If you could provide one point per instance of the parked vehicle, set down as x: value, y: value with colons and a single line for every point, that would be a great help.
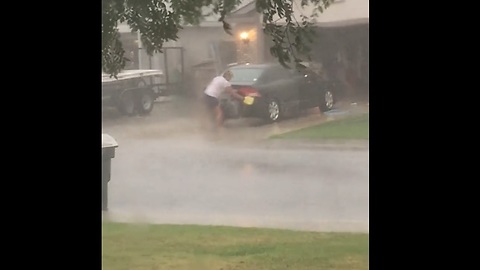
x: 278, y: 91
x: 133, y: 91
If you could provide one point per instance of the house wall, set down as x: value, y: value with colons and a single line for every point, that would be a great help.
x: 344, y: 53
x: 347, y: 11
x: 340, y: 12
x: 341, y: 43
x: 197, y: 42
x: 333, y: 24
x: 247, y: 50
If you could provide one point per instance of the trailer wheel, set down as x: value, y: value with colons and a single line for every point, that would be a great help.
x: 126, y: 103
x: 145, y: 102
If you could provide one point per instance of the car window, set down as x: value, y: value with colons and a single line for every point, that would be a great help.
x: 276, y: 73
x: 246, y: 75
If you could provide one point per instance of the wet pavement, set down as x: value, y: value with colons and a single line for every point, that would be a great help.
x: 167, y: 169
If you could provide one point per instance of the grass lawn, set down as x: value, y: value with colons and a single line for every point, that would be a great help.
x: 175, y: 247
x: 354, y: 127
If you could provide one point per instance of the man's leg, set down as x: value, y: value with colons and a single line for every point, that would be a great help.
x: 209, y: 112
x: 219, y: 116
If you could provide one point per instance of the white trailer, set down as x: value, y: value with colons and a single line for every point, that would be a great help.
x: 133, y: 91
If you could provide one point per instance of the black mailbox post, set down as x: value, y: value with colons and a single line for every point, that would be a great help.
x: 108, y: 152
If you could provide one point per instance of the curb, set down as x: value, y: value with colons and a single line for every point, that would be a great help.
x: 361, y: 145
x: 294, y: 144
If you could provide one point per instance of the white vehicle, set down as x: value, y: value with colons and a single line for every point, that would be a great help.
x: 133, y: 91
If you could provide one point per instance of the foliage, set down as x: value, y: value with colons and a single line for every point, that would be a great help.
x: 159, y: 21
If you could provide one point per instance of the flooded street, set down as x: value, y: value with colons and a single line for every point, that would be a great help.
x: 168, y: 170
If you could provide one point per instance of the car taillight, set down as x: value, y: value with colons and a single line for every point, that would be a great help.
x: 249, y: 91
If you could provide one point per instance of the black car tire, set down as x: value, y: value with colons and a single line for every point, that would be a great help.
x: 274, y: 111
x: 145, y: 101
x: 327, y: 100
x: 126, y: 103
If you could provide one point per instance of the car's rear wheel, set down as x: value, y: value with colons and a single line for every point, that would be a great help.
x: 327, y: 100
x: 126, y: 103
x: 273, y: 110
x: 145, y: 102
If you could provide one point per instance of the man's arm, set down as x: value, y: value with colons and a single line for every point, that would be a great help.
x: 234, y: 93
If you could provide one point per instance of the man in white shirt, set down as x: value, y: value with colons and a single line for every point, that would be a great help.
x: 215, y: 88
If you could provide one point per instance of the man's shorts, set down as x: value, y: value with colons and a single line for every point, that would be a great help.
x: 210, y: 101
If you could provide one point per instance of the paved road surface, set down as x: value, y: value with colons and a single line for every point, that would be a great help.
x: 167, y: 170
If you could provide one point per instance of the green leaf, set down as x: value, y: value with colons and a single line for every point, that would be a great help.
x: 227, y: 28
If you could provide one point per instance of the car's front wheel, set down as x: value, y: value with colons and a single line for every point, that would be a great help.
x: 327, y: 100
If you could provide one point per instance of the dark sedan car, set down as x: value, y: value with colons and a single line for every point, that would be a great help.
x: 278, y: 91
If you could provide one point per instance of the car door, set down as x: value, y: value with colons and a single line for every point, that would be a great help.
x: 279, y: 83
x: 308, y: 85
